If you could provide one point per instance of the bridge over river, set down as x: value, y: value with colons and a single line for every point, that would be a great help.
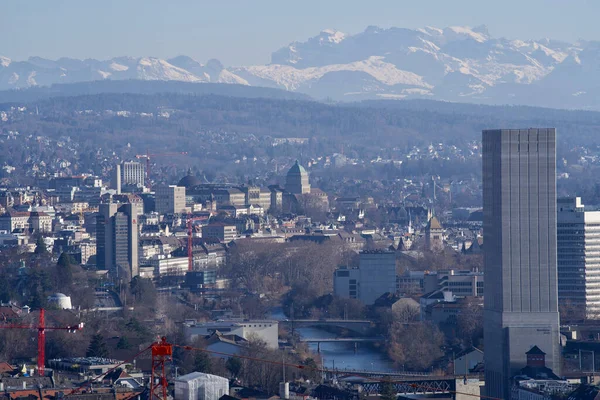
x: 360, y: 327
x: 461, y: 387
x: 353, y: 340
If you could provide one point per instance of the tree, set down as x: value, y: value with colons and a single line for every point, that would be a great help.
x: 64, y: 272
x: 97, y: 347
x: 470, y: 323
x: 387, y: 391
x: 143, y: 291
x: 407, y: 312
x: 38, y: 301
x: 234, y: 366
x: 40, y: 246
x: 123, y: 343
x: 202, y: 363
x: 416, y: 346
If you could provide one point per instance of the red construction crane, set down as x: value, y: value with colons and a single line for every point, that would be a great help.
x: 162, y: 353
x: 190, y: 223
x: 42, y: 328
x: 147, y: 156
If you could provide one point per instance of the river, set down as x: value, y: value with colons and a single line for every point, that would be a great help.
x: 342, y: 355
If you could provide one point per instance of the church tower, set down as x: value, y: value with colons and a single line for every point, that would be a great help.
x: 434, y: 235
x: 296, y: 181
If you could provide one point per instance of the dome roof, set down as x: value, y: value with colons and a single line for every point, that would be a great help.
x: 297, y: 169
x: 58, y: 295
x: 189, y: 181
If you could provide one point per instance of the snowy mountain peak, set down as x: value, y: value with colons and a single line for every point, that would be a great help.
x: 456, y: 63
x: 332, y: 35
x: 465, y: 32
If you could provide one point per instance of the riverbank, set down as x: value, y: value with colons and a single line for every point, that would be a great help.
x: 341, y: 356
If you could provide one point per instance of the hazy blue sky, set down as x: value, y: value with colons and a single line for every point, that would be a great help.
x: 247, y: 31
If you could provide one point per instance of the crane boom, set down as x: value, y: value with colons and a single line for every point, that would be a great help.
x: 41, y: 329
x: 147, y: 156
x: 190, y: 222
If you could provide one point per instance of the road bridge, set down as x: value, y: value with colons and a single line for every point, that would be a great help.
x: 354, y: 340
x: 404, y: 384
x: 361, y: 327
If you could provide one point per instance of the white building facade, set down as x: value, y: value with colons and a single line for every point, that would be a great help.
x: 578, y: 256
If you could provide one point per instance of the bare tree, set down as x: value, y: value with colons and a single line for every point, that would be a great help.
x: 416, y: 346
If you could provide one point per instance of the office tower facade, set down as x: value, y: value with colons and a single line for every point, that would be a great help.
x: 519, y: 225
x: 117, y: 238
x: 133, y: 173
x: 170, y: 199
x: 578, y: 256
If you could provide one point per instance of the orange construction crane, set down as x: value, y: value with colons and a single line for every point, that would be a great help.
x: 147, y: 156
x: 42, y: 328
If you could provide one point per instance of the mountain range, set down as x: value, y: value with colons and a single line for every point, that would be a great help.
x: 458, y: 64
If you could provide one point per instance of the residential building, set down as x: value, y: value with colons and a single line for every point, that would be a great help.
x: 225, y: 346
x: 220, y: 196
x: 171, y: 266
x: 411, y: 282
x: 88, y: 249
x: 117, y: 237
x: 345, y: 282
x: 578, y: 256
x: 256, y: 196
x: 40, y: 222
x: 519, y: 227
x: 276, y: 198
x: 467, y: 360
x: 14, y: 220
x: 196, y: 280
x: 170, y: 199
x: 460, y: 283
x: 266, y: 330
x: 537, y: 382
x: 347, y: 203
x: 209, y: 256
x: 225, y: 233
x: 375, y: 276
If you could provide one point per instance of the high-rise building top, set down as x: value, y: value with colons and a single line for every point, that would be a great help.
x: 297, y: 181
x: 578, y: 256
x: 117, y: 237
x: 519, y: 225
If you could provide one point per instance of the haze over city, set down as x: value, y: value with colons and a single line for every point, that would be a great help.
x: 335, y: 200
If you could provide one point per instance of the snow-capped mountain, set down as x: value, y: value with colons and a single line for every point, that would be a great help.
x: 455, y: 64
x: 39, y: 71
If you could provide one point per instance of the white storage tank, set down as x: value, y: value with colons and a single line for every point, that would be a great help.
x: 200, y: 386
x: 60, y: 301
